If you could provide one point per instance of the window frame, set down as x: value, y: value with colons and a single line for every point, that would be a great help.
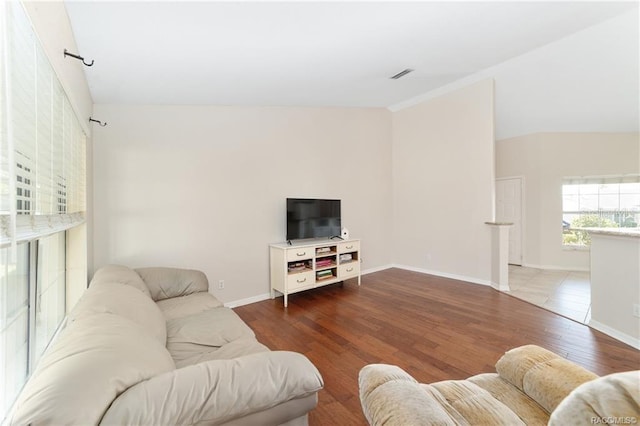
x: 33, y: 306
x: 39, y: 129
x: 607, y: 217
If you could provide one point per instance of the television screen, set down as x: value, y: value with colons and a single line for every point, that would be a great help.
x: 312, y: 218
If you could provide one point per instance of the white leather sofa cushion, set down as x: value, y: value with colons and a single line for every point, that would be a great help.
x: 237, y: 348
x: 94, y: 359
x: 119, y: 274
x: 205, y: 332
x: 126, y: 301
x: 178, y: 307
x: 164, y: 283
x: 216, y: 391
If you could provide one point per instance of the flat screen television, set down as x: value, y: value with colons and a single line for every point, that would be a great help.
x: 312, y: 218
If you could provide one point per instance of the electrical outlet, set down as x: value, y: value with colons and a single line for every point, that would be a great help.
x: 221, y: 285
x: 636, y: 310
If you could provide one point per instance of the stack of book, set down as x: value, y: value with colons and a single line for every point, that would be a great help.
x: 320, y: 263
x: 346, y: 257
x: 297, y: 266
x: 321, y: 250
x: 324, y: 275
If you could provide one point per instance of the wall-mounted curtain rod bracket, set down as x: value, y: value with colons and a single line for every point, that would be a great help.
x: 66, y: 53
x: 98, y: 121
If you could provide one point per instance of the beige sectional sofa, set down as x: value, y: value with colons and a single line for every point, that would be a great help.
x: 152, y: 347
x: 532, y: 386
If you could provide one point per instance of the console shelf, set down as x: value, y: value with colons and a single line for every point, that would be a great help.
x: 306, y: 265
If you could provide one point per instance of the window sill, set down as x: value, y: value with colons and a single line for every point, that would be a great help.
x: 575, y: 248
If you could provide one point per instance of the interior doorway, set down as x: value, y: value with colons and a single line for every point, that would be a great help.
x: 509, y: 209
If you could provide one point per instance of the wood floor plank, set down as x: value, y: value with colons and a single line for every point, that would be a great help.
x: 435, y: 328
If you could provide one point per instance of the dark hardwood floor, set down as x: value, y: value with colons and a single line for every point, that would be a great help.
x: 434, y: 328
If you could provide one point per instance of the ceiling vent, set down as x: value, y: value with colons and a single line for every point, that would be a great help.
x: 401, y: 74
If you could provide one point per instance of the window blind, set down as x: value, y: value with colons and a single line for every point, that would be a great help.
x: 4, y: 140
x: 41, y: 140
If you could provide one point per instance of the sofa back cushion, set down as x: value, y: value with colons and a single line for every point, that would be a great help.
x: 119, y: 274
x: 164, y: 283
x: 93, y: 360
x: 544, y: 376
x: 192, y: 304
x: 126, y: 301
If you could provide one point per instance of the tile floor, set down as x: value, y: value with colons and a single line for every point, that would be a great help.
x: 563, y: 292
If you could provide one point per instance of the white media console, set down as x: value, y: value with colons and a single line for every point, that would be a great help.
x: 305, y: 265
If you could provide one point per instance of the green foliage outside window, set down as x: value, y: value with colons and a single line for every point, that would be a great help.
x: 582, y: 238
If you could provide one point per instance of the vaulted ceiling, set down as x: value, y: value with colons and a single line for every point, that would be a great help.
x: 308, y: 53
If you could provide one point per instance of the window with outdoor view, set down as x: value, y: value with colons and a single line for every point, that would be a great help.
x: 611, y: 202
x: 42, y: 201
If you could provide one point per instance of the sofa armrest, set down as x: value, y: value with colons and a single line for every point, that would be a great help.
x: 217, y: 391
x: 390, y: 396
x: 164, y: 283
x: 544, y: 376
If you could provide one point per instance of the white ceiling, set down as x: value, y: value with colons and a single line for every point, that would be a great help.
x: 307, y: 53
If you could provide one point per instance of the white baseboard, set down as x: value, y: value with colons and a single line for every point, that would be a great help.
x: 618, y: 335
x: 555, y: 268
x: 445, y: 275
x: 248, y: 300
x: 377, y: 269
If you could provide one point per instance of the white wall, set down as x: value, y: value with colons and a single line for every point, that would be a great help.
x: 204, y: 187
x: 615, y: 289
x: 543, y: 159
x: 443, y: 180
x: 587, y: 82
